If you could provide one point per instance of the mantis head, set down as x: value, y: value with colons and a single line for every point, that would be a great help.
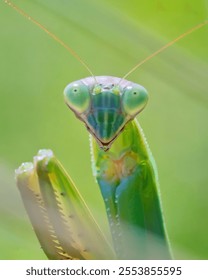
x: 105, y: 104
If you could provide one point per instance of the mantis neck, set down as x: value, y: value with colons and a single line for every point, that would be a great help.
x: 128, y: 182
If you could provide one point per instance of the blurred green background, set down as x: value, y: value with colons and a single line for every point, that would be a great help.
x: 111, y: 36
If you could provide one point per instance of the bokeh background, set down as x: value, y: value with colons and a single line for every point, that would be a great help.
x: 111, y: 36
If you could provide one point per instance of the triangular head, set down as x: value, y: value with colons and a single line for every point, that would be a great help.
x: 105, y: 104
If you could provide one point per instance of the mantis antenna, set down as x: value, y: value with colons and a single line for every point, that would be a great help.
x: 196, y: 27
x: 52, y: 35
x: 70, y: 50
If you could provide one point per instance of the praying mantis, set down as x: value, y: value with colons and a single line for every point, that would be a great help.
x: 124, y: 169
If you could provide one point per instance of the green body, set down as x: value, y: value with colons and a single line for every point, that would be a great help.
x: 125, y: 172
x: 122, y: 163
x: 128, y: 181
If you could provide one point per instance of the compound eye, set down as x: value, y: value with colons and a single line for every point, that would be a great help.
x: 134, y: 99
x: 77, y: 97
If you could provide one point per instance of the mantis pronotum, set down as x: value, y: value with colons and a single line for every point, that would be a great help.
x: 125, y: 172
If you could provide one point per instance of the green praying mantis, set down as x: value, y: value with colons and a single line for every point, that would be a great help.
x: 122, y: 164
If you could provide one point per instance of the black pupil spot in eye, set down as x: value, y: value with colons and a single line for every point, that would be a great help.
x: 75, y: 90
x: 134, y: 92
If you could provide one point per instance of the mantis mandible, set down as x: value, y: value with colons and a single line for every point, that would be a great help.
x: 122, y: 164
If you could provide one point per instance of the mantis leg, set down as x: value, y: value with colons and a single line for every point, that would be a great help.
x: 60, y: 218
